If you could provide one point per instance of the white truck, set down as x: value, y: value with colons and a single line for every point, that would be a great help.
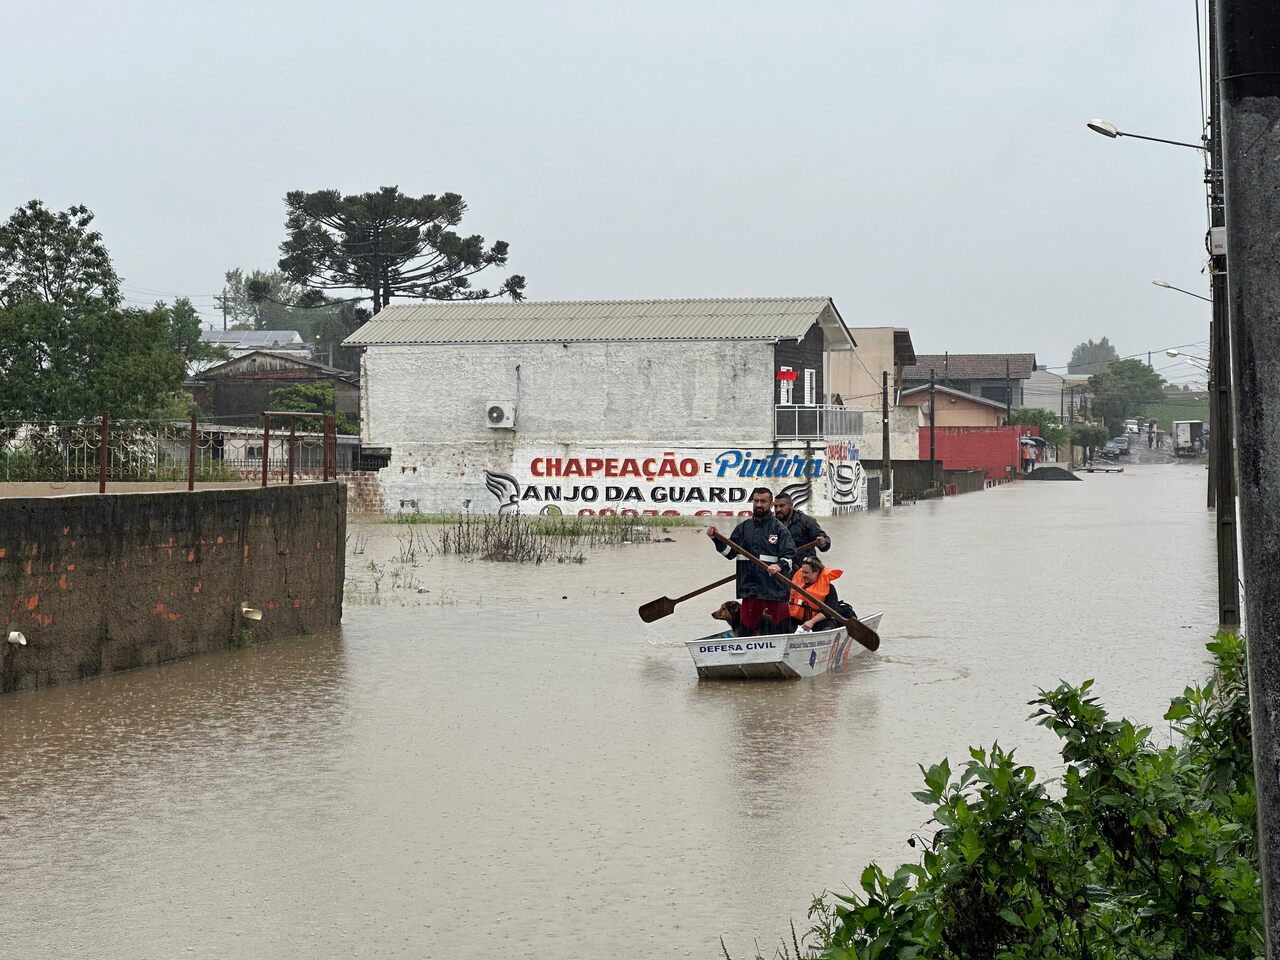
x: 1188, y: 438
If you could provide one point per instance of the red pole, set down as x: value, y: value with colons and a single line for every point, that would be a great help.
x: 104, y: 438
x: 292, y: 438
x: 266, y: 444
x: 330, y: 449
x: 191, y: 456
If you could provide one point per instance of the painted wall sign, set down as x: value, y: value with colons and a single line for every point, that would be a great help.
x: 667, y: 483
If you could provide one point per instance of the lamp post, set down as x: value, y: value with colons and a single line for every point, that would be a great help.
x: 1191, y: 358
x: 1221, y: 487
x: 1169, y: 286
x: 1108, y: 129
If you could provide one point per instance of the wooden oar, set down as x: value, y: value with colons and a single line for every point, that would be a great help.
x: 665, y: 606
x: 857, y: 629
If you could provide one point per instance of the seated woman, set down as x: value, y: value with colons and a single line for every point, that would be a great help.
x: 816, y: 580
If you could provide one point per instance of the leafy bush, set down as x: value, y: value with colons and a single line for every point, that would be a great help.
x: 1142, y: 851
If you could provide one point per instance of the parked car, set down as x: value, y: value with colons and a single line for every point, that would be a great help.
x: 1112, y: 450
x: 1122, y: 443
x: 1131, y: 426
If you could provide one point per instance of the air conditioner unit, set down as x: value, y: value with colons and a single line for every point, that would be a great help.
x: 501, y: 414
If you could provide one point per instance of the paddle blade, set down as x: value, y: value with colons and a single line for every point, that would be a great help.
x: 863, y: 634
x: 657, y: 609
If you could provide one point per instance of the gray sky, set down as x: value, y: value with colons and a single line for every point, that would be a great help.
x: 924, y: 163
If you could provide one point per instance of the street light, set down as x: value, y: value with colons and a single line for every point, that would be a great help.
x: 1169, y: 286
x: 1108, y: 129
x: 1189, y: 357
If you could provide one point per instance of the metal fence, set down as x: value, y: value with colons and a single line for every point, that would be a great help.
x: 813, y: 422
x: 286, y: 448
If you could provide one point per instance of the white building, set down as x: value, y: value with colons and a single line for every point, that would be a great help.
x: 1045, y: 390
x: 644, y: 406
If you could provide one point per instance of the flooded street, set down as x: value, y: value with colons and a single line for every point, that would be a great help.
x: 511, y: 764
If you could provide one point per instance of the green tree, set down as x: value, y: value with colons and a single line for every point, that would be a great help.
x: 70, y: 361
x: 390, y: 245
x: 1090, y: 436
x: 184, y: 333
x: 268, y: 300
x: 314, y: 397
x: 54, y: 258
x: 1090, y: 357
x: 258, y: 300
x: 1121, y: 391
x: 1051, y: 430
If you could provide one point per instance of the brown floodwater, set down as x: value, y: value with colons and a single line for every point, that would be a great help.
x: 512, y: 765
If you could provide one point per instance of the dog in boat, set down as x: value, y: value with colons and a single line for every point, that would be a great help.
x: 731, y: 613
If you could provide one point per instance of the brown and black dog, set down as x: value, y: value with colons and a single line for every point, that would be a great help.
x: 731, y: 613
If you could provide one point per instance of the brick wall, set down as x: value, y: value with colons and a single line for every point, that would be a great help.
x: 992, y: 449
x: 105, y: 583
x: 364, y: 493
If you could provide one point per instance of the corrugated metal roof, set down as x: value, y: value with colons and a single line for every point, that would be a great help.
x: 569, y: 321
x: 252, y: 339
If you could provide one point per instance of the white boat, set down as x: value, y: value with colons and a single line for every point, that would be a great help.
x: 722, y: 656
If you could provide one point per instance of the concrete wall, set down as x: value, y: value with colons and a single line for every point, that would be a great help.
x: 687, y: 392
x: 855, y: 374
x: 105, y: 583
x: 904, y: 428
x: 911, y: 478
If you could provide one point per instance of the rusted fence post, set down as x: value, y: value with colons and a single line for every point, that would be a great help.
x: 293, y: 435
x: 266, y: 445
x: 191, y: 456
x: 104, y: 439
x: 330, y: 448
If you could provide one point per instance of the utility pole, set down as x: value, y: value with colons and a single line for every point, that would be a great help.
x: 1248, y: 37
x: 1008, y: 394
x: 1222, y: 492
x: 224, y: 309
x: 886, y: 460
x: 933, y: 416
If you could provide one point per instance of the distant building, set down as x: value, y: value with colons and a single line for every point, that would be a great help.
x: 240, y: 342
x: 955, y: 408
x: 1045, y: 390
x: 240, y: 389
x: 613, y: 407
x: 856, y: 376
x: 978, y: 374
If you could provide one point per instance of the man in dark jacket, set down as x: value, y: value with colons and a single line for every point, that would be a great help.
x: 802, y: 527
x: 765, y: 606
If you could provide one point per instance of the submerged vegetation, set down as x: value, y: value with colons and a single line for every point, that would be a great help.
x: 1140, y: 852
x: 523, y: 539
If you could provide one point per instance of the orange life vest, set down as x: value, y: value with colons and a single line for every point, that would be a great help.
x: 803, y: 608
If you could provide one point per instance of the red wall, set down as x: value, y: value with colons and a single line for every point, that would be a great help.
x: 992, y: 449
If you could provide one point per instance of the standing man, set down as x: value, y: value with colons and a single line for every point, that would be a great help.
x: 802, y: 527
x: 764, y: 600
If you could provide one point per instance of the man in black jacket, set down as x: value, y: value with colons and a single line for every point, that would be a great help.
x: 764, y: 600
x: 803, y: 528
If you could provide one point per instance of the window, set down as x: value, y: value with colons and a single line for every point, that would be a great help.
x: 786, y: 388
x: 809, y: 383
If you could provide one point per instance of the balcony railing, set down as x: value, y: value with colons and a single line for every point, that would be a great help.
x: 797, y: 422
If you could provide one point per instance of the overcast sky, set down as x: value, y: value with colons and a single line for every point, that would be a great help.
x: 924, y: 163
